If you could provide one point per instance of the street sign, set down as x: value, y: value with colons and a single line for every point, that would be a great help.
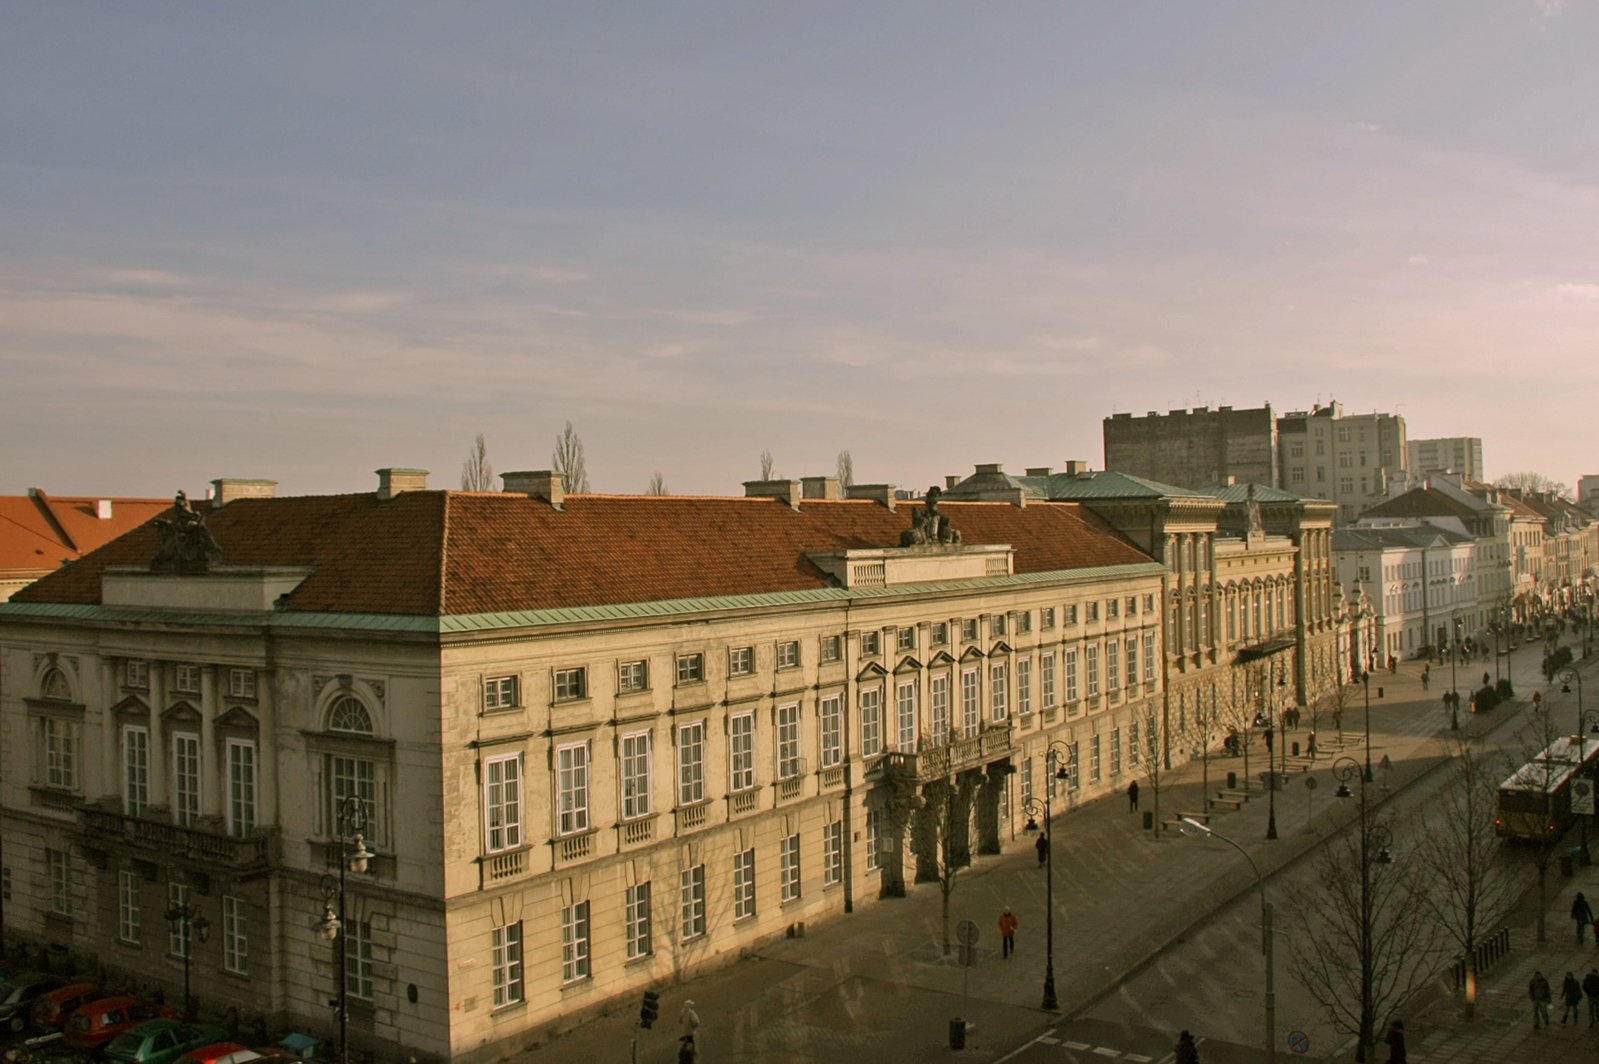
x: 1582, y: 796
x: 966, y: 932
x: 1299, y: 1041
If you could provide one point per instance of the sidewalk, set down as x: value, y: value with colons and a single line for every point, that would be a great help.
x: 875, y: 986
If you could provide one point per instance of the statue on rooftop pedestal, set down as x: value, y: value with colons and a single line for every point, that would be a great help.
x: 187, y: 546
x: 930, y: 528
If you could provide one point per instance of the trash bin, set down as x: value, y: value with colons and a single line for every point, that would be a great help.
x: 1232, y: 781
x: 1296, y: 748
x: 957, y: 1033
x: 1149, y: 821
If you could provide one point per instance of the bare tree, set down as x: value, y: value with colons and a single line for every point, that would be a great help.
x: 567, y: 460
x: 846, y: 469
x: 1150, y: 741
x: 476, y: 473
x: 766, y: 465
x: 1534, y: 482
x: 1358, y: 948
x: 657, y: 484
x: 1469, y: 885
x: 942, y: 838
x: 1541, y: 776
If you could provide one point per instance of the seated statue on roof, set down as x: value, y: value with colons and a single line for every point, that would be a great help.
x: 929, y: 527
x: 187, y: 546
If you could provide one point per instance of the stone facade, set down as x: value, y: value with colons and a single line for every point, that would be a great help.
x: 1195, y: 448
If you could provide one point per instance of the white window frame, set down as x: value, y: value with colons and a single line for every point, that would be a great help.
x: 571, y: 684
x: 1046, y: 678
x: 744, y: 884
x: 788, y: 741
x: 500, y: 692
x: 129, y: 913
x: 355, y: 777
x: 358, y: 981
x: 905, y: 639
x: 59, y: 864
x: 874, y: 837
x: 741, y: 751
x: 179, y: 938
x: 572, y: 768
x: 788, y: 654
x: 576, y: 962
x: 1069, y: 657
x: 135, y: 769
x: 830, y: 713
x: 1133, y: 752
x: 241, y: 683
x: 871, y: 644
x: 999, y: 690
x: 905, y: 716
x: 971, y: 702
x: 502, y: 802
x: 871, y: 712
x: 633, y: 676
x: 1046, y: 618
x: 691, y: 763
x: 243, y: 786
x: 938, y: 698
x: 60, y: 753
x: 1024, y: 687
x: 1132, y: 661
x: 741, y: 661
x: 1115, y: 752
x: 1091, y: 670
x: 185, y: 678
x: 690, y: 669
x: 505, y: 959
x: 235, y: 936
x: 691, y: 895
x: 639, y: 931
x: 637, y: 749
x: 832, y: 648
x: 1149, y: 656
x: 1093, y: 758
x: 832, y: 853
x: 186, y: 777
x: 1113, y: 666
x: 788, y: 867
x: 136, y: 674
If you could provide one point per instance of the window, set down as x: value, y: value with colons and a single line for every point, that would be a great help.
x: 635, y: 775
x: 505, y: 944
x: 1046, y: 618
x: 1027, y: 781
x: 135, y: 769
x: 788, y: 741
x: 1113, y: 666
x: 939, y: 696
x: 571, y: 684
x: 640, y: 938
x: 871, y: 644
x: 575, y: 942
x: 499, y: 692
x: 633, y: 676
x: 874, y: 839
x: 1132, y: 605
x: 871, y: 721
x: 186, y: 679
x: 788, y: 655
x: 941, y: 634
x: 1093, y: 610
x: 349, y: 714
x: 1092, y: 669
x: 1024, y: 623
x: 59, y: 863
x: 1112, y: 609
x: 1093, y: 758
x: 692, y: 890
x: 905, y: 716
x: 907, y: 639
x: 1046, y: 679
x: 178, y: 931
x: 357, y: 935
x: 572, y: 788
x: 241, y: 787
x: 833, y: 853
x: 1115, y: 751
x: 741, y: 661
x: 502, y: 801
x: 1132, y: 744
x: 185, y: 778
x: 832, y: 648
x: 691, y: 763
x: 1071, y: 614
x: 60, y: 753
x: 1071, y: 675
x: 690, y: 668
x: 351, y: 777
x: 997, y: 624
x: 999, y: 690
x: 1074, y: 777
x: 1132, y: 661
x: 1024, y: 686
x: 744, y: 884
x: 788, y: 867
x: 971, y: 705
x: 128, y: 913
x: 241, y: 683
x: 969, y: 631
x: 235, y: 946
x: 1149, y: 604
x: 136, y: 674
x: 831, y: 713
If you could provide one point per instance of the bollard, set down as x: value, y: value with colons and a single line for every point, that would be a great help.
x: 957, y: 1033
x: 1149, y: 821
x: 1296, y: 748
x: 1232, y: 781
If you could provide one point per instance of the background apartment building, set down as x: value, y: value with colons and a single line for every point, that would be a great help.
x: 1461, y: 455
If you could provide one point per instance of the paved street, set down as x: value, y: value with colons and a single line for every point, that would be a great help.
x: 876, y: 985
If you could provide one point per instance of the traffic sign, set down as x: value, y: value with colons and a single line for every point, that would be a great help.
x: 1299, y: 1041
x: 1582, y: 796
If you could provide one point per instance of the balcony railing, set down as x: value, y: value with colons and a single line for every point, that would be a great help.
x: 252, y: 852
x: 958, y: 755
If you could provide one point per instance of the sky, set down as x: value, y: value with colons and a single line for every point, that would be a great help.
x: 302, y: 241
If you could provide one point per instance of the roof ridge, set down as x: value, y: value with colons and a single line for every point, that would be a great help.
x: 42, y: 501
x: 444, y: 551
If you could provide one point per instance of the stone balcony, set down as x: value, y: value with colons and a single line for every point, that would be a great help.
x: 947, y: 759
x: 101, y: 827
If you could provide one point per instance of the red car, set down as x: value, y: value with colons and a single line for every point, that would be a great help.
x: 50, y: 1012
x: 96, y: 1023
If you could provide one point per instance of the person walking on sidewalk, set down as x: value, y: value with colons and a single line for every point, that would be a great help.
x: 1007, y: 932
x: 1571, y: 999
x: 1396, y: 1042
x: 1187, y: 1052
x: 1590, y: 986
x: 1538, y: 991
x: 1581, y: 912
x: 1042, y: 846
x: 1132, y: 797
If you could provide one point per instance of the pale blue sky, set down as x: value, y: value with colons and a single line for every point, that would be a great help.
x: 302, y: 241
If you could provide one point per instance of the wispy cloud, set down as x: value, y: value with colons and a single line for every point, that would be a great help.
x: 1579, y: 291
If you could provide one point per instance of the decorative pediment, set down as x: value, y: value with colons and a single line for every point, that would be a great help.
x: 132, y: 706
x: 872, y: 671
x: 908, y: 664
x: 941, y: 658
x: 181, y: 713
x: 1000, y: 647
x: 972, y: 654
x: 238, y: 719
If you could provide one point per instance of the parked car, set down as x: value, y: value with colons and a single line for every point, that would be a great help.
x: 161, y: 1041
x: 18, y: 995
x: 96, y: 1023
x: 221, y: 1053
x: 50, y: 1012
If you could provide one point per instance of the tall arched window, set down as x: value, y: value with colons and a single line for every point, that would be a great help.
x: 348, y: 714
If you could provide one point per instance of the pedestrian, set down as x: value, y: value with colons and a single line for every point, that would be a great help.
x: 1570, y: 999
x: 1590, y: 986
x: 1396, y: 1042
x: 1007, y: 932
x: 1311, y: 745
x: 1393, y: 663
x: 690, y: 1021
x: 1426, y: 682
x: 1581, y: 912
x: 1042, y: 846
x: 1485, y: 679
x: 1132, y: 797
x: 1538, y: 991
x: 1187, y: 1052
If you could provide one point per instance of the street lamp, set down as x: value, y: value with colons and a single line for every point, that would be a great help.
x: 1372, y: 838
x: 1031, y: 806
x: 1271, y: 767
x: 188, y: 921
x: 350, y: 817
x: 1454, y: 656
x: 1567, y: 677
x: 1365, y: 680
x: 1194, y: 829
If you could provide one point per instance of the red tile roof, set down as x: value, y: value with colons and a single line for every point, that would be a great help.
x: 433, y: 553
x: 38, y: 531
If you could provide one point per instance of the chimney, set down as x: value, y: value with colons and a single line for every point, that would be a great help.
x: 881, y: 493
x: 392, y: 482
x: 102, y: 509
x: 1075, y: 466
x: 787, y: 490
x: 988, y: 467
x: 226, y: 489
x: 539, y: 484
x: 950, y: 480
x: 821, y: 488
x: 1040, y: 471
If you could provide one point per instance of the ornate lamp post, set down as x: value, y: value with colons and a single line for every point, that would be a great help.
x: 188, y: 921
x: 1053, y: 771
x: 1365, y: 680
x: 1374, y: 842
x: 1194, y: 829
x: 1584, y: 721
x: 1454, y: 656
x: 1271, y: 766
x: 351, y: 821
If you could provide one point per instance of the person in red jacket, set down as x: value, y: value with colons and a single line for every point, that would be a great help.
x: 1007, y: 932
